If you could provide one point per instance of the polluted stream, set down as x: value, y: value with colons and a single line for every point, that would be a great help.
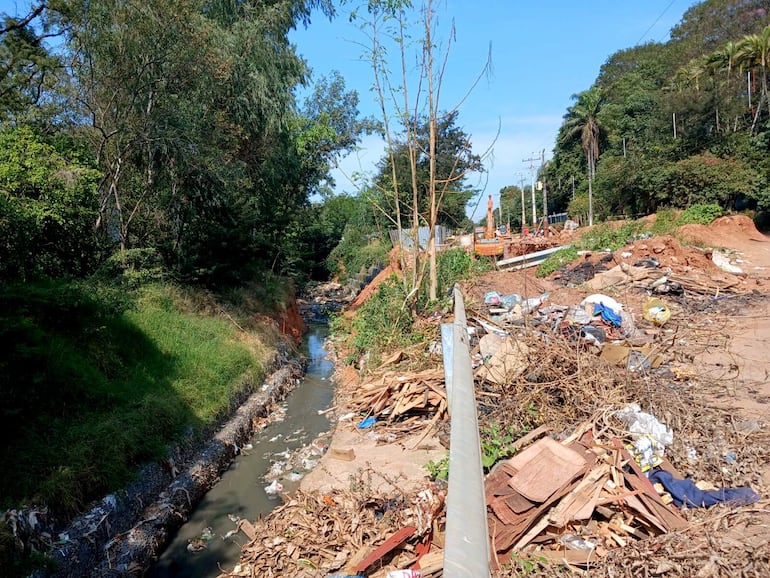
x: 275, y: 458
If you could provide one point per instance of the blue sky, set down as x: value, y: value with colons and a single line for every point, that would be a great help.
x: 542, y: 53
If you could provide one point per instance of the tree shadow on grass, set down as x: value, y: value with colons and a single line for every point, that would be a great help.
x: 87, y: 396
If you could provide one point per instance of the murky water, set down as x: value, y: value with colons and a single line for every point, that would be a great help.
x: 283, y: 447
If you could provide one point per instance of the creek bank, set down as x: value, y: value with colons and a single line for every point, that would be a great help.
x: 126, y: 530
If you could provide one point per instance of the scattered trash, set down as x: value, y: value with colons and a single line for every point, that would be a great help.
x: 686, y: 493
x: 649, y: 262
x: 575, y: 542
x: 641, y: 424
x: 550, y: 486
x: 657, y: 312
x: 201, y: 542
x: 509, y: 361
x: 367, y: 422
x: 723, y: 262
x: 594, y: 334
x: 274, y: 488
x: 605, y: 301
x: 346, y: 455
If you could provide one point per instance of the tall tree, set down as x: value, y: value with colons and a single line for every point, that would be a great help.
x: 454, y: 161
x: 754, y: 53
x: 414, y: 110
x: 582, y: 120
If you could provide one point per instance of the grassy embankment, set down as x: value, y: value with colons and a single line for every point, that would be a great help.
x: 97, y: 380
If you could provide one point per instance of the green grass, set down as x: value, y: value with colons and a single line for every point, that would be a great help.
x: 97, y: 381
x: 556, y: 260
x: 607, y: 236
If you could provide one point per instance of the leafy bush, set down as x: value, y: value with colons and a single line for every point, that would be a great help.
x: 665, y: 222
x: 607, y: 236
x: 701, y: 214
x: 557, y: 260
x: 355, y: 253
x: 438, y: 470
x: 497, y: 443
x: 133, y: 268
x: 452, y: 266
x: 48, y: 206
x: 383, y: 321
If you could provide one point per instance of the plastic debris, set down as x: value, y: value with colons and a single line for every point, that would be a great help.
x: 367, y: 422
x: 605, y: 300
x: 573, y: 542
x: 723, y: 262
x: 274, y: 488
x: 657, y: 312
x: 686, y: 493
x: 642, y: 424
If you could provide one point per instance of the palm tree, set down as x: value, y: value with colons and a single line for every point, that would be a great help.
x: 582, y: 119
x: 754, y: 52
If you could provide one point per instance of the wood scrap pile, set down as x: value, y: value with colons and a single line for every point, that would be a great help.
x: 393, y: 394
x: 346, y: 532
x: 572, y: 502
x: 657, y: 280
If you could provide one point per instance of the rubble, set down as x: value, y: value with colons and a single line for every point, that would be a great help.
x: 572, y: 493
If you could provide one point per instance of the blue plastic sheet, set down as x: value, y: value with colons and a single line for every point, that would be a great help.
x: 685, y: 492
x: 607, y: 314
x: 367, y: 423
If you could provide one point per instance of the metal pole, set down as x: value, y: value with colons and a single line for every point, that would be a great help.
x: 466, y: 545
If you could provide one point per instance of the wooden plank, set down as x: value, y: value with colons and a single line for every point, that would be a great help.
x: 518, y: 503
x: 391, y: 543
x: 542, y: 508
x: 644, y: 513
x: 504, y: 513
x: 650, y: 498
x: 571, y: 557
x: 582, y: 498
x: 496, y: 481
x: 550, y: 466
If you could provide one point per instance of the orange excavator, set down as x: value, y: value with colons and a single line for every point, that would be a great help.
x: 488, y: 240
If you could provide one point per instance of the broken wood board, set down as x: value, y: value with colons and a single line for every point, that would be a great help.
x: 543, y: 468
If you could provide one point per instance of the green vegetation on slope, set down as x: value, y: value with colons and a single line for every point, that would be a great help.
x: 97, y: 381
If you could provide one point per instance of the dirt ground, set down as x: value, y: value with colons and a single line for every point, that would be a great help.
x: 716, y: 342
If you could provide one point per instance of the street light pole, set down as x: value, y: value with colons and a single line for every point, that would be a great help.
x: 531, y: 160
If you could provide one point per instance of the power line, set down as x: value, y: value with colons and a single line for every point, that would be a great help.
x: 656, y: 21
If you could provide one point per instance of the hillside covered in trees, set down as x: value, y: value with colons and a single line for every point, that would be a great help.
x: 667, y: 125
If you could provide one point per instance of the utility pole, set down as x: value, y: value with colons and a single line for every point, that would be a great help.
x: 531, y: 160
x: 545, y: 194
x: 523, y: 211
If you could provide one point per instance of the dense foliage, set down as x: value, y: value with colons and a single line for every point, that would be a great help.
x: 673, y: 124
x: 171, y: 125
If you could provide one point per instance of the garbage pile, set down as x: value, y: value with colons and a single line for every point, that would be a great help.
x: 398, y: 401
x: 660, y: 265
x: 603, y: 491
x: 574, y: 500
x: 347, y: 533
